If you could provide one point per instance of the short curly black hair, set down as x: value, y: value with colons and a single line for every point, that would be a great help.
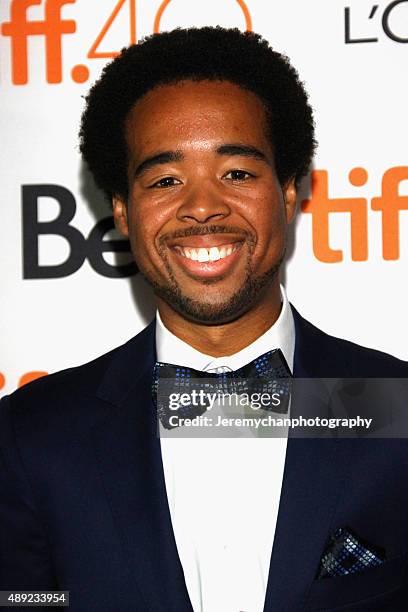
x: 209, y: 53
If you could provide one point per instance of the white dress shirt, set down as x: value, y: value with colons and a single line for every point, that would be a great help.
x: 224, y: 493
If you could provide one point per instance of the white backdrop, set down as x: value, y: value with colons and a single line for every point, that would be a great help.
x: 352, y: 57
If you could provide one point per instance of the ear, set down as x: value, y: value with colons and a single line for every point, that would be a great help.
x: 290, y: 194
x: 120, y: 215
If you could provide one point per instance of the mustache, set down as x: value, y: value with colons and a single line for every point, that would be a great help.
x: 203, y: 230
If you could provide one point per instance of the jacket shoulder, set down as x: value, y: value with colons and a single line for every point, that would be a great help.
x: 76, y: 390
x: 340, y: 357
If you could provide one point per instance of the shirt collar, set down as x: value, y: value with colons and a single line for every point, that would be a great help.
x: 170, y: 349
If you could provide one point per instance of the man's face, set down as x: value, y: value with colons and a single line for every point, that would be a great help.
x: 206, y: 215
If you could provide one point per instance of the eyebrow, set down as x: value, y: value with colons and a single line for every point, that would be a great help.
x: 155, y: 160
x: 242, y: 150
x: 166, y: 157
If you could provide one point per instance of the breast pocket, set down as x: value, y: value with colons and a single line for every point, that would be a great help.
x: 340, y: 591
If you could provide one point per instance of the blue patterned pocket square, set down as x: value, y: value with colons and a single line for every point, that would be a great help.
x: 347, y: 554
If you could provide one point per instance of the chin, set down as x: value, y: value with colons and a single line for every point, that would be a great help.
x: 209, y: 313
x: 217, y: 313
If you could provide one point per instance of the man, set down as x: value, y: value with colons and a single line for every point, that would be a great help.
x: 200, y: 138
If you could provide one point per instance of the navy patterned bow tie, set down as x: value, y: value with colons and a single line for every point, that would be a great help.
x: 268, y: 374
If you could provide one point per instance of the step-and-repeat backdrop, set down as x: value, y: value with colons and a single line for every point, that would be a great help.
x: 69, y: 291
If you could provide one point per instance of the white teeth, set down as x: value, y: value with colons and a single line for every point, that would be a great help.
x: 205, y: 255
x: 214, y: 253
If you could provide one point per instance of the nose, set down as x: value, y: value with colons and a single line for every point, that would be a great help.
x: 202, y: 205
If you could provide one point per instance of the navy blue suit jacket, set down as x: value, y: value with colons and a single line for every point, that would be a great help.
x: 83, y: 504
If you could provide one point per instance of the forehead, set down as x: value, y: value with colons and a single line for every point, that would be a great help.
x: 191, y: 111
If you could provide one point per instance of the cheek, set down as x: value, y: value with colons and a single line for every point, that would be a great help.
x: 144, y: 227
x: 268, y: 219
x: 139, y: 232
x: 149, y: 215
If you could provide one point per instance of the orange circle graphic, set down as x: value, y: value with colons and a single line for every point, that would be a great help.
x: 358, y: 176
x: 30, y: 376
x: 165, y: 3
x: 80, y: 73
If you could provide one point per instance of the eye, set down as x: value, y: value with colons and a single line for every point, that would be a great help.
x: 167, y: 181
x: 238, y: 175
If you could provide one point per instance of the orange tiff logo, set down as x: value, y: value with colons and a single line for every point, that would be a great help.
x: 52, y: 27
x: 389, y: 204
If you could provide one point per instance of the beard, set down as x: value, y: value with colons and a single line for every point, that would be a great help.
x: 208, y: 313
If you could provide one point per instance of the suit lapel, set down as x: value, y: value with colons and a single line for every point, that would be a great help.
x: 312, y: 483
x: 128, y: 451
x: 311, y: 487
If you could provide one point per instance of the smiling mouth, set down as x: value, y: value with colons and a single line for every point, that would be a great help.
x: 206, y: 255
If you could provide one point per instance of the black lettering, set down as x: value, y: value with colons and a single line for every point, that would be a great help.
x: 32, y: 228
x: 386, y: 24
x: 96, y: 246
x: 347, y: 29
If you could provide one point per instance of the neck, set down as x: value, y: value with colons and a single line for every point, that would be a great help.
x: 227, y: 338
